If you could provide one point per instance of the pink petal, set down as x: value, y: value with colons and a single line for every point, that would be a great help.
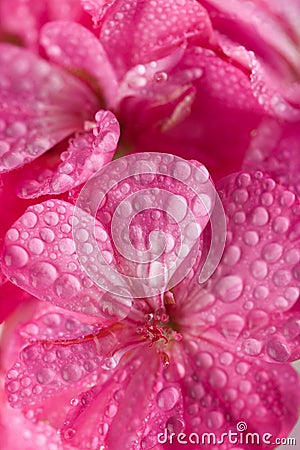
x: 31, y: 435
x: 64, y: 354
x: 257, y: 279
x: 136, y: 37
x: 74, y: 47
x: 32, y: 15
x: 189, y: 103
x: 10, y: 298
x: 41, y: 105
x: 153, y: 209
x: 275, y: 149
x: 86, y: 154
x: 43, y: 261
x: 270, y: 29
x: 114, y: 412
x: 221, y: 389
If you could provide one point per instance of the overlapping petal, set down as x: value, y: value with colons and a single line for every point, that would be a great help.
x: 276, y: 149
x: 87, y: 153
x: 40, y: 106
x: 135, y: 31
x: 221, y: 389
x: 257, y: 279
x: 75, y: 48
x: 43, y: 261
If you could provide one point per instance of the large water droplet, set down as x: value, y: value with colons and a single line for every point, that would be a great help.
x: 229, y: 288
x: 42, y: 275
x: 71, y: 373
x: 45, y: 375
x: 217, y: 378
x: 167, y: 398
x: 16, y: 256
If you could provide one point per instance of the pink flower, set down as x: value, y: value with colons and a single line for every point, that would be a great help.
x: 183, y: 88
x: 187, y: 357
x: 240, y: 65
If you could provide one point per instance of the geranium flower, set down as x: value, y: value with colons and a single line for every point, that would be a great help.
x: 183, y: 87
x: 249, y: 58
x: 196, y: 358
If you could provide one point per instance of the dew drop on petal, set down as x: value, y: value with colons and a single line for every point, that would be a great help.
x: 67, y: 286
x: 260, y: 216
x: 47, y: 235
x: 29, y: 219
x: 229, y: 288
x: 278, y: 350
x: 167, y: 398
x: 36, y: 246
x: 272, y: 252
x: 217, y: 378
x: 42, y: 274
x: 252, y: 347
x: 45, y: 375
x: 16, y: 256
x: 71, y: 373
x: 214, y: 420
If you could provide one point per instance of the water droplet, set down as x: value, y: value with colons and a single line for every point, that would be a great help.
x: 29, y: 220
x: 197, y: 391
x: 252, y: 347
x: 232, y: 255
x: 272, y: 252
x: 278, y: 350
x: 36, y: 246
x: 229, y: 288
x: 74, y: 402
x: 13, y: 234
x: 52, y: 320
x: 67, y: 246
x: 259, y: 269
x: 67, y: 286
x: 251, y: 238
x: 214, y: 420
x: 175, y: 425
x: 47, y: 235
x: 231, y: 326
x: 217, y: 378
x: 111, y: 410
x: 280, y: 224
x: 69, y: 434
x: 16, y: 256
x: 182, y: 170
x: 282, y: 277
x: 51, y: 218
x: 13, y: 386
x: 226, y: 358
x: 45, y: 375
x: 242, y: 368
x: 204, y: 360
x: 240, y: 196
x: 261, y: 292
x: 71, y: 373
x: 167, y: 398
x: 287, y: 199
x: 42, y: 275
x: 267, y: 199
x: 260, y: 216
x: 160, y: 76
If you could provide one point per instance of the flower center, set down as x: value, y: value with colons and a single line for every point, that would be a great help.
x: 160, y: 330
